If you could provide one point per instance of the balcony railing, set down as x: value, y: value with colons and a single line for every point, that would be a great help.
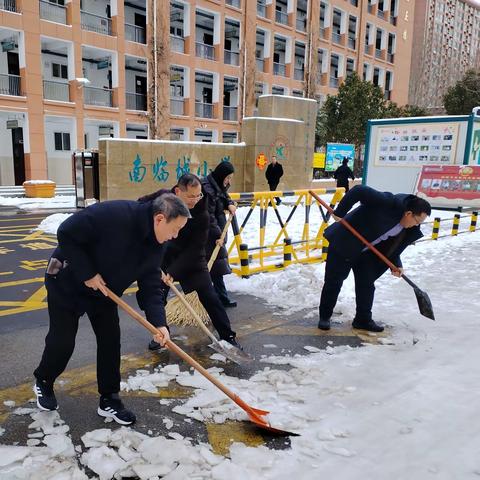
x: 8, y: 5
x: 177, y: 106
x: 101, y: 97
x: 378, y: 53
x: 334, y: 82
x: 261, y: 9
x: 298, y: 73
x: 301, y: 24
x: 53, y: 12
x: 323, y: 33
x: 205, y: 51
x: 232, y: 58
x: 281, y: 17
x: 387, y: 95
x: 233, y: 3
x: 279, y: 69
x: 136, y: 101
x: 380, y: 14
x: 177, y: 44
x: 393, y: 20
x: 351, y: 43
x: 10, y: 85
x: 59, y: 91
x: 134, y: 33
x: 367, y: 49
x: 390, y: 57
x: 203, y: 110
x: 230, y: 113
x: 260, y: 64
x: 96, y: 23
x: 336, y: 38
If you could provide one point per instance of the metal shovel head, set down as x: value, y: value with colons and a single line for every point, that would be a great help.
x: 232, y: 353
x: 424, y: 303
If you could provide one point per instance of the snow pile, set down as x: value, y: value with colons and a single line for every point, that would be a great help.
x: 60, y: 201
x: 51, y: 223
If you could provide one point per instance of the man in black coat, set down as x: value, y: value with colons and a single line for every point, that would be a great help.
x: 112, y: 243
x: 273, y: 174
x: 342, y: 174
x: 186, y: 259
x: 391, y: 223
x: 215, y: 187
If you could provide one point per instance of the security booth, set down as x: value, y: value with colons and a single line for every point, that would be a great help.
x: 87, y: 183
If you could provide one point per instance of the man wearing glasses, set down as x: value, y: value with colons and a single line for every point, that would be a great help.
x: 391, y: 223
x: 185, y: 257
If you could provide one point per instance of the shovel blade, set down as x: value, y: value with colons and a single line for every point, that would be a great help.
x: 424, y: 303
x: 233, y: 353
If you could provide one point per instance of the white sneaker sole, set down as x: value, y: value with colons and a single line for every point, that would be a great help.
x: 38, y: 403
x: 104, y: 413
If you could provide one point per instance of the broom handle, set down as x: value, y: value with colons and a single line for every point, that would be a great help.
x: 192, y: 311
x: 222, y: 238
x: 175, y: 348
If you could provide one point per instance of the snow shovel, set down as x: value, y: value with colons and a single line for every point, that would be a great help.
x: 223, y: 347
x: 423, y: 300
x: 254, y: 414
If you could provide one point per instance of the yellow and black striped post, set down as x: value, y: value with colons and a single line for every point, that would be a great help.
x: 324, y: 249
x: 244, y: 265
x: 456, y: 223
x: 473, y: 222
x: 436, y: 228
x: 287, y: 251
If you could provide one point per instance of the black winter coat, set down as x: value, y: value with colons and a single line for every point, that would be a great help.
x: 218, y: 201
x: 274, y: 173
x: 115, y: 239
x: 377, y: 214
x: 342, y: 174
x: 185, y: 256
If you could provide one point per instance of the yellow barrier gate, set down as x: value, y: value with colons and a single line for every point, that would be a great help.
x: 282, y: 249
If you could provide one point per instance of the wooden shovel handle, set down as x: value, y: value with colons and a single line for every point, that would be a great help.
x: 175, y: 348
x: 222, y: 238
x: 357, y: 234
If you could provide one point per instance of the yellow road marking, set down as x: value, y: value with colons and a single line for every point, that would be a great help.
x: 221, y: 436
x: 21, y: 282
x: 35, y: 302
x: 80, y: 381
x: 6, y: 273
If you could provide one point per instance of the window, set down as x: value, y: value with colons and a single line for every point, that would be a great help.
x: 278, y: 90
x: 229, y: 137
x: 62, y: 141
x: 59, y: 70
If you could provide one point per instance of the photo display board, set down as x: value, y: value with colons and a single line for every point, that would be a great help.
x: 416, y: 145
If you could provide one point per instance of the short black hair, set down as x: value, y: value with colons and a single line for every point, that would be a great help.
x: 188, y: 180
x: 170, y: 206
x: 417, y: 205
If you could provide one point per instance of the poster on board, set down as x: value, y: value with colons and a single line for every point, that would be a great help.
x: 335, y: 153
x: 455, y: 185
x: 416, y: 144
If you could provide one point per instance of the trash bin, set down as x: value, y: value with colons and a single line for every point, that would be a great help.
x: 87, y: 185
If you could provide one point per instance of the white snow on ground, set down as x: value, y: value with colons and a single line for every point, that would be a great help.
x: 60, y: 201
x: 51, y: 223
x: 404, y: 409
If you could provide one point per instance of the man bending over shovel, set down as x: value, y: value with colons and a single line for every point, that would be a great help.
x: 390, y: 223
x: 111, y: 243
x: 186, y: 261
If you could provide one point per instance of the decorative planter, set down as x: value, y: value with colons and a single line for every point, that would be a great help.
x: 39, y: 188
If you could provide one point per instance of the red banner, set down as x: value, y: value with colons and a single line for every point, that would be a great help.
x: 456, y: 184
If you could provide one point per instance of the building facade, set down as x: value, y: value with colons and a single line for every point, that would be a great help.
x: 74, y: 72
x: 446, y: 44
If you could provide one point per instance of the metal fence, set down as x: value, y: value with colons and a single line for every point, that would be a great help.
x: 59, y: 91
x: 53, y: 12
x: 96, y: 23
x: 134, y: 33
x: 101, y: 97
x: 10, y: 85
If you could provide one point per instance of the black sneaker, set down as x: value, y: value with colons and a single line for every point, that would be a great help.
x: 324, y: 324
x: 112, y: 407
x: 153, y: 346
x: 369, y: 325
x: 229, y: 304
x: 45, y: 395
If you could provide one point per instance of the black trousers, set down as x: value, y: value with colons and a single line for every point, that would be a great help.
x: 366, y: 269
x: 220, y: 289
x: 211, y: 302
x: 273, y: 187
x: 60, y: 342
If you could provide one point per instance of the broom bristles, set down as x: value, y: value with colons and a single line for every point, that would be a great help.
x: 178, y: 314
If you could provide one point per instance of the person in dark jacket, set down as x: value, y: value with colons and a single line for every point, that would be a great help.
x: 273, y: 174
x: 185, y: 258
x: 342, y: 174
x: 113, y: 243
x: 391, y: 223
x: 215, y: 187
